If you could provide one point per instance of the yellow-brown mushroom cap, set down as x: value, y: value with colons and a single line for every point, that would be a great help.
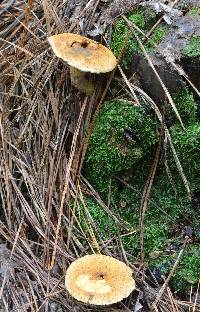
x: 83, y: 53
x: 99, y: 280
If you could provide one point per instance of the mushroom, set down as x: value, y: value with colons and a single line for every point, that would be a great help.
x: 84, y: 56
x: 99, y: 280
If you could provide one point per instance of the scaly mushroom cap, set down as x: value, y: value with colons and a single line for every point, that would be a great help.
x: 98, y: 279
x: 83, y: 53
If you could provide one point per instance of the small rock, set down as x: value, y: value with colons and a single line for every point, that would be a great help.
x: 168, y: 51
x: 148, y: 79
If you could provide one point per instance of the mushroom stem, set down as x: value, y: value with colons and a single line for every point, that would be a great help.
x: 82, y: 80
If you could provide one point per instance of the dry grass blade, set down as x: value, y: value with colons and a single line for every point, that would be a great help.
x: 67, y: 179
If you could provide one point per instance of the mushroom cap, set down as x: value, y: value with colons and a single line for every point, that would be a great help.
x: 83, y: 53
x: 98, y: 279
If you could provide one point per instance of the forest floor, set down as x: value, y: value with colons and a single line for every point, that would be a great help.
x: 115, y: 173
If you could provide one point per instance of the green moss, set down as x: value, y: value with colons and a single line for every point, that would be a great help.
x: 192, y: 49
x: 187, y: 144
x: 155, y: 39
x: 103, y: 224
x: 137, y: 17
x: 186, y: 106
x: 165, y: 220
x: 111, y: 153
x: 188, y: 272
x: 194, y: 11
x: 155, y: 237
x: 121, y: 30
x: 122, y: 135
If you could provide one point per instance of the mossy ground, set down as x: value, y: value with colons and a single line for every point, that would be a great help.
x: 120, y: 142
x: 194, y: 11
x: 169, y: 211
x: 122, y: 33
x: 192, y: 49
x: 170, y: 214
x: 186, y: 106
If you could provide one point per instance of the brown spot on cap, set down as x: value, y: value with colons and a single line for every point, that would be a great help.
x: 83, y: 53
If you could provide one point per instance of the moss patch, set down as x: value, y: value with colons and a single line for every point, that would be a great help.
x: 156, y: 37
x: 188, y: 272
x: 100, y: 219
x: 121, y: 30
x: 187, y: 144
x: 186, y: 106
x: 123, y: 134
x: 194, y: 11
x: 123, y: 145
x: 169, y: 213
x: 192, y: 49
x: 165, y: 222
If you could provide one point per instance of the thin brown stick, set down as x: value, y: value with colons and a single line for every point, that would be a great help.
x: 67, y: 178
x: 145, y: 197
